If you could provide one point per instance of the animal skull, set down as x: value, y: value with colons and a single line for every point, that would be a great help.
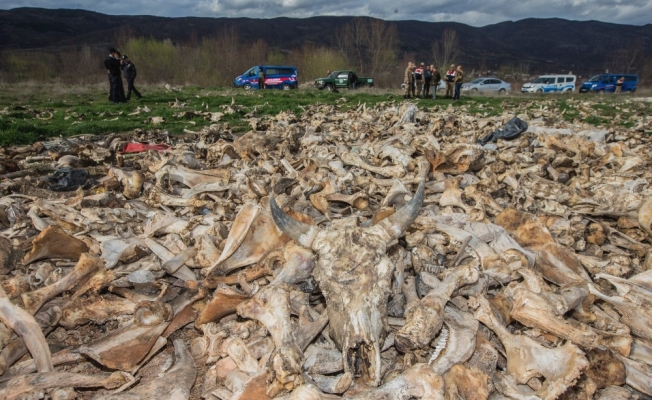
x: 355, y: 274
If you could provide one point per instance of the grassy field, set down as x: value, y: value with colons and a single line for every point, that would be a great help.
x: 30, y: 113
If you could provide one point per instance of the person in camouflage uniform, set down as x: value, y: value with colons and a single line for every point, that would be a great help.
x: 408, y: 91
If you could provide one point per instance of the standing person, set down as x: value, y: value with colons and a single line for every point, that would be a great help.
x: 619, y: 84
x: 436, y: 79
x: 129, y: 70
x: 112, y: 65
x: 261, y: 77
x: 450, y: 84
x: 459, y: 79
x: 409, y: 81
x: 418, y: 79
x: 353, y: 80
x: 427, y: 81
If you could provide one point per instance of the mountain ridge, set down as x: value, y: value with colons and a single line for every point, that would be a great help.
x: 552, y: 43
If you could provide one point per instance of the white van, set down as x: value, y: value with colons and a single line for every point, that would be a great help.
x: 550, y: 83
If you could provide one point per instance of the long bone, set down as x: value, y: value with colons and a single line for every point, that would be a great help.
x: 83, y: 269
x: 48, y: 380
x: 47, y: 319
x: 425, y: 319
x: 352, y: 261
x: 394, y: 171
x: 26, y: 327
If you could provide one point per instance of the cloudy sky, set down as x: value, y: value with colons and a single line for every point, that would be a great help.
x: 472, y: 12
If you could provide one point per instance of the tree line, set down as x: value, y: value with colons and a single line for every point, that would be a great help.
x: 369, y: 46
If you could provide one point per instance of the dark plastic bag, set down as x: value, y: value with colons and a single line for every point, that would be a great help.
x: 512, y: 129
x: 67, y: 179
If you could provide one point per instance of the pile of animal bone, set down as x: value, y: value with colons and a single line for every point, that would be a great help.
x: 359, y: 253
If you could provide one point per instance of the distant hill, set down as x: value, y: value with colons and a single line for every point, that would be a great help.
x: 546, y: 44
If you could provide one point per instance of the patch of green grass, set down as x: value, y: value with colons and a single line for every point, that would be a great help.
x: 33, y: 113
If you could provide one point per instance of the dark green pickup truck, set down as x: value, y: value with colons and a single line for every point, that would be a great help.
x: 340, y: 79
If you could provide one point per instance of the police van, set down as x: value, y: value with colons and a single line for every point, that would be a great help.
x: 551, y: 84
x: 607, y: 83
x: 276, y: 77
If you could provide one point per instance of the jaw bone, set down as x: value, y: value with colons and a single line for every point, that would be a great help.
x: 175, y: 384
x: 355, y: 274
x: 124, y: 348
x: 425, y: 319
x: 53, y: 242
x: 526, y: 358
x: 460, y: 341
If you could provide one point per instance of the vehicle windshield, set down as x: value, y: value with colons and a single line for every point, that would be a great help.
x: 477, y: 81
x: 544, y: 80
x: 597, y: 78
x: 334, y: 74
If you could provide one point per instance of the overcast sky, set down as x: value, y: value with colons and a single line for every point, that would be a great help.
x: 472, y: 12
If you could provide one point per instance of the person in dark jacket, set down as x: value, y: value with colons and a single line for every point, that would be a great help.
x: 427, y: 80
x: 129, y: 69
x: 436, y: 78
x: 112, y: 65
x: 353, y: 80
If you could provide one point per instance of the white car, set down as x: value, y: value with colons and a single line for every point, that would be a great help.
x: 550, y: 84
x: 487, y: 85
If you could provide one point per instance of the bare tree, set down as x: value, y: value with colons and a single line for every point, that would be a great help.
x: 627, y: 58
x: 369, y: 45
x: 446, y: 50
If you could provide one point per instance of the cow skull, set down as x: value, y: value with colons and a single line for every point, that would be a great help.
x: 354, y: 274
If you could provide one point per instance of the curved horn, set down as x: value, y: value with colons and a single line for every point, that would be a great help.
x: 285, y: 223
x: 398, y: 222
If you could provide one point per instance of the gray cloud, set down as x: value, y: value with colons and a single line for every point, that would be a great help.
x: 472, y: 12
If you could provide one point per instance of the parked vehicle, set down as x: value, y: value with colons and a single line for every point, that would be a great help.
x: 494, y: 85
x: 276, y: 77
x: 340, y: 79
x: 551, y: 84
x: 607, y: 83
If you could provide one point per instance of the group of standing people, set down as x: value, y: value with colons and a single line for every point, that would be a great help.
x: 419, y: 79
x: 115, y: 65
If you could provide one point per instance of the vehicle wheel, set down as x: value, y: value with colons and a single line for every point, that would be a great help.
x: 539, y: 90
x: 601, y: 92
x: 286, y: 86
x: 328, y: 87
x: 502, y: 91
x: 247, y: 86
x: 567, y: 91
x: 474, y: 90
